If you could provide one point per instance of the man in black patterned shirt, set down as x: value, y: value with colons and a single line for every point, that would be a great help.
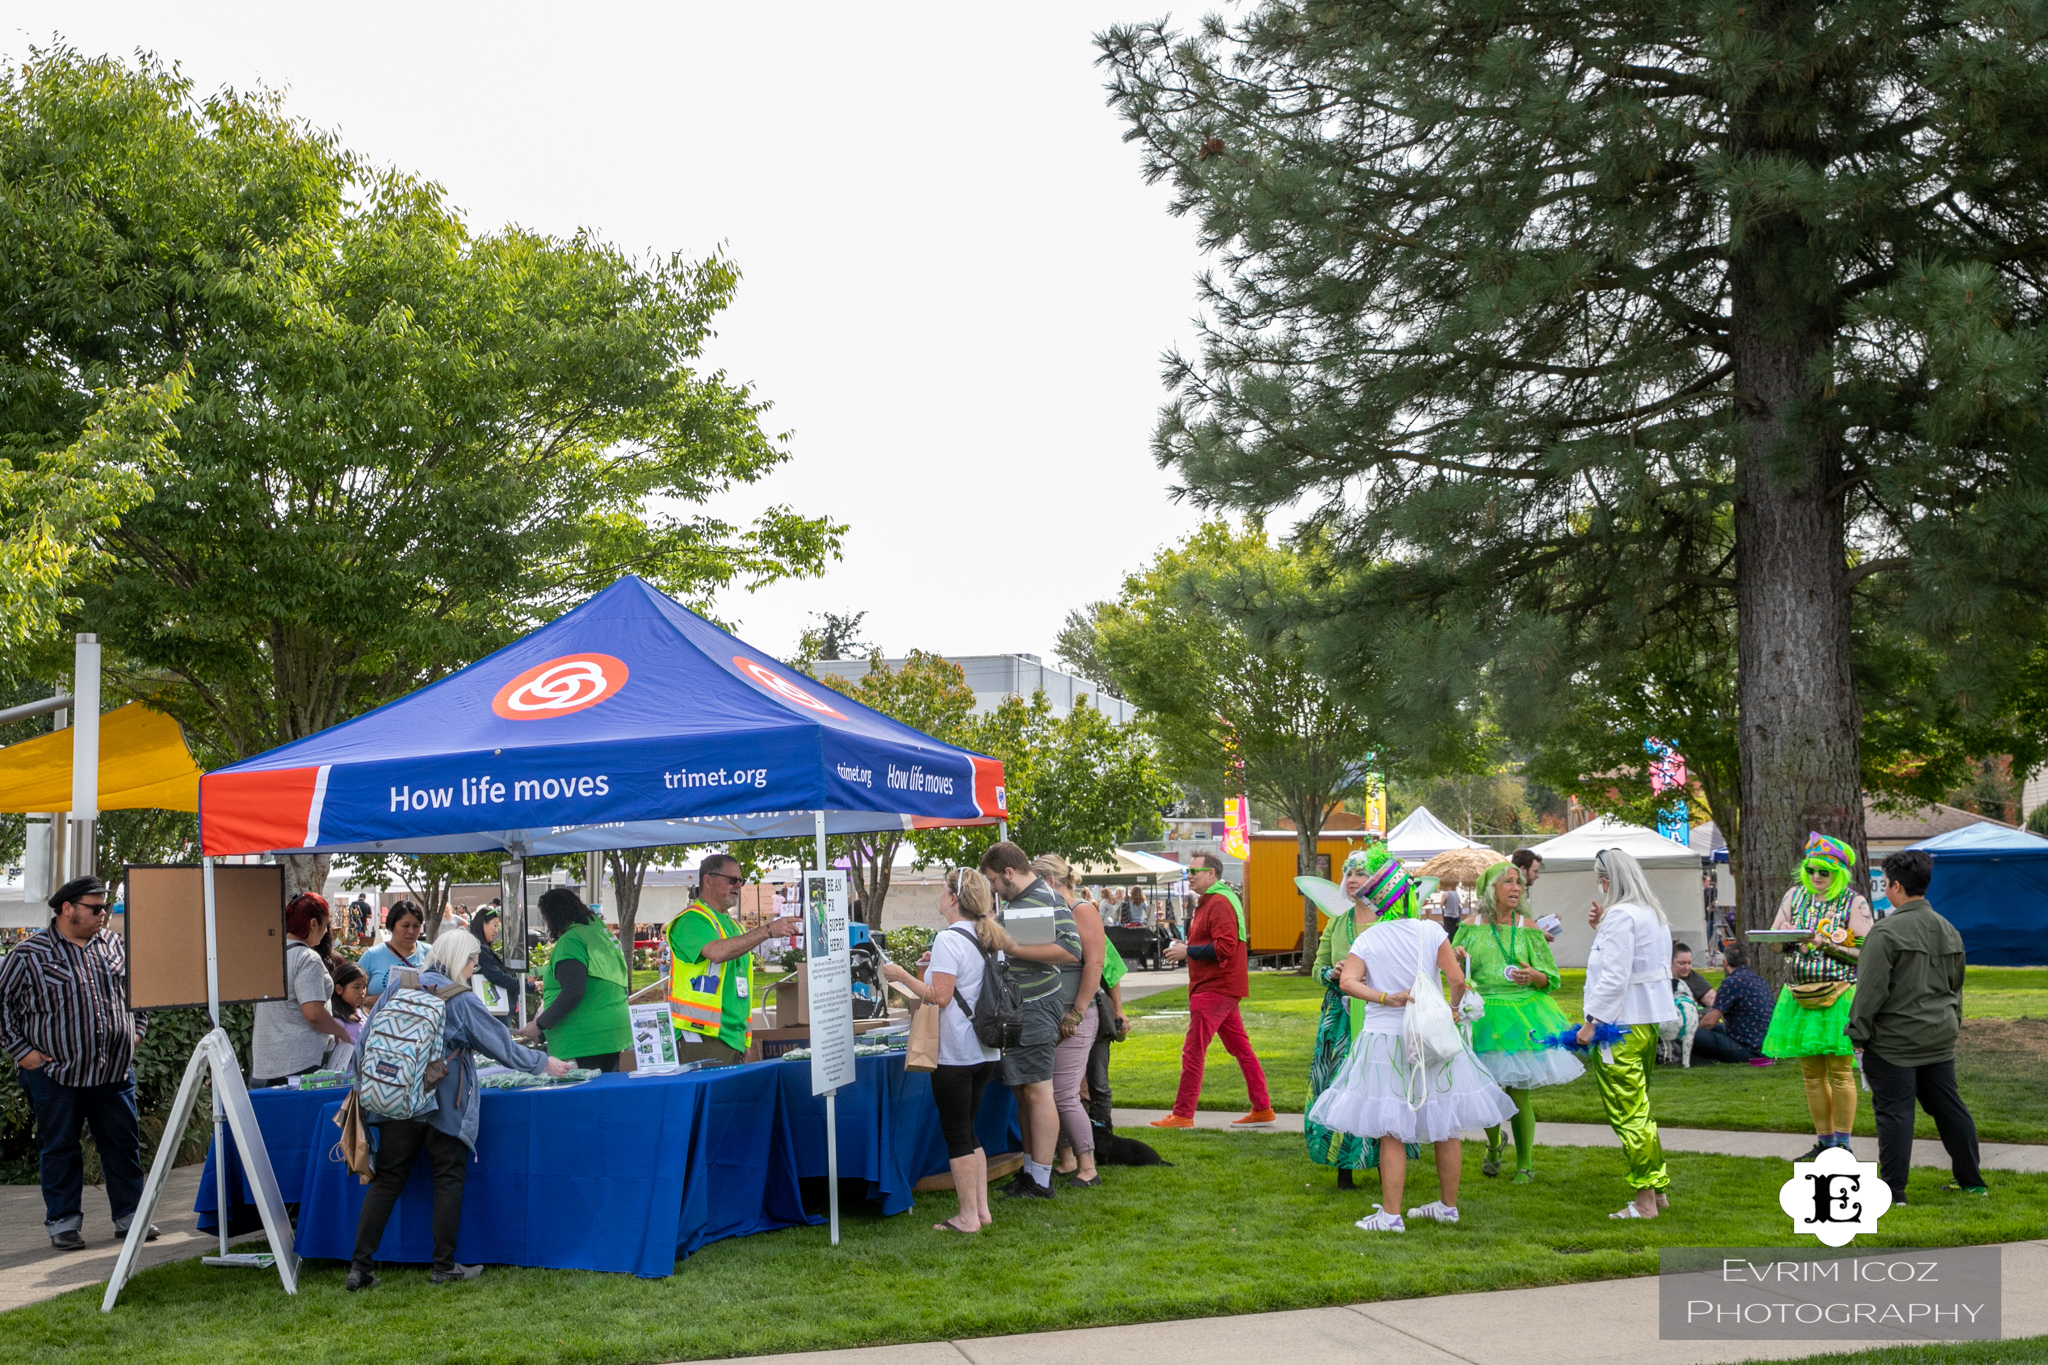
x: 64, y: 1019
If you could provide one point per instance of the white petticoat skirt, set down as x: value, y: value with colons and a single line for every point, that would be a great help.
x: 1371, y: 1097
x: 1532, y: 1068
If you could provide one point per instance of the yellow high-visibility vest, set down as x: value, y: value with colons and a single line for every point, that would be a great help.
x: 696, y: 990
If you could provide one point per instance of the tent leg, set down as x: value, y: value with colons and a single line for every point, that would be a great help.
x: 832, y: 1159
x: 221, y: 1198
x: 821, y: 840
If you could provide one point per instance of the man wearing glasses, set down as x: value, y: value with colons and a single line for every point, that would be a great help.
x: 712, y: 958
x: 64, y: 1019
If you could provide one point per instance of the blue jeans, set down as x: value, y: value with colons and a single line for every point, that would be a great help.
x: 62, y: 1111
x: 1716, y: 1044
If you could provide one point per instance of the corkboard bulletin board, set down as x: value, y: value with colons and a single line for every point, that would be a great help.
x: 166, y: 914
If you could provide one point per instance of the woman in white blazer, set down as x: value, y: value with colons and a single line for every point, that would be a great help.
x: 1628, y: 982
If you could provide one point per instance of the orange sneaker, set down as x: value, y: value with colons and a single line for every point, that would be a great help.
x: 1173, y: 1121
x: 1256, y: 1116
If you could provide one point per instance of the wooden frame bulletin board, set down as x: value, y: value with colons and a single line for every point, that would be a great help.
x: 166, y: 914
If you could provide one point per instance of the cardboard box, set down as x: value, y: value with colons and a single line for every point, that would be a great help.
x: 792, y: 997
x: 770, y: 1043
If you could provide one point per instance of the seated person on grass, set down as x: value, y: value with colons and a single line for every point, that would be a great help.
x: 1733, y: 1030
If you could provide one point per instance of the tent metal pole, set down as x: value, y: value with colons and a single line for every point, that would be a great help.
x: 831, y: 1096
x: 85, y: 753
x: 221, y: 1200
x: 1003, y: 830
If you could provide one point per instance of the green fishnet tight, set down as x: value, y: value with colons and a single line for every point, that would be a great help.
x: 1523, y: 1125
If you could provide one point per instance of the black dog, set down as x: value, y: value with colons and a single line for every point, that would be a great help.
x: 1111, y: 1150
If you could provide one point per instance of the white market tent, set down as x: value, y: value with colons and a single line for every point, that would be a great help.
x: 1566, y: 888
x: 1422, y: 836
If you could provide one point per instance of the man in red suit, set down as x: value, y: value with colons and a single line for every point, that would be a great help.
x: 1217, y: 981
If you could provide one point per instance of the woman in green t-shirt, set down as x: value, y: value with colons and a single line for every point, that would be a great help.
x: 584, y: 988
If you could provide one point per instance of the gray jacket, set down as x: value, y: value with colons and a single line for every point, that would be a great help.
x: 469, y: 1029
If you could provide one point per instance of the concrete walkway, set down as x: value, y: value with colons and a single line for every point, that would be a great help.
x: 1607, y: 1322
x: 2002, y: 1156
x: 30, y: 1271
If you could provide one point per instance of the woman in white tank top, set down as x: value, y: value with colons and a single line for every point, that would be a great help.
x: 1374, y: 1096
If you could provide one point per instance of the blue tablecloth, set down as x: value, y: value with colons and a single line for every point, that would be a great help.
x: 888, y: 1127
x: 622, y: 1173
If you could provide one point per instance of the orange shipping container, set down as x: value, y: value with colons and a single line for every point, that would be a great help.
x: 1272, y: 904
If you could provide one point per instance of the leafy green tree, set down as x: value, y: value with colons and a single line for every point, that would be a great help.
x: 1076, y: 785
x: 428, y: 878
x: 401, y: 442
x: 1194, y: 643
x: 1527, y: 304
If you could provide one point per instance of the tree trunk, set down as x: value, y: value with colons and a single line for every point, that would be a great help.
x: 305, y: 872
x: 873, y: 860
x: 1798, y: 715
x: 629, y: 873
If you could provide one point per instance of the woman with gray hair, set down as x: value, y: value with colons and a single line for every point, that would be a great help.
x: 447, y: 1135
x: 1628, y: 983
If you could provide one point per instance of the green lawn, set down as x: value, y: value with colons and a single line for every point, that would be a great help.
x: 2019, y: 1351
x: 1241, y: 1223
x: 2002, y: 1064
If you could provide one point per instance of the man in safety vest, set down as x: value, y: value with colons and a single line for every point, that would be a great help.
x: 712, y: 959
x: 1215, y: 952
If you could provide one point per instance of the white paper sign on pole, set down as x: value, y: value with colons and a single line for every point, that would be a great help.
x: 654, y: 1040
x: 829, y: 967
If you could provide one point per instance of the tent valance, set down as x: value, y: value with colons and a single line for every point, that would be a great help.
x: 144, y: 765
x: 627, y: 722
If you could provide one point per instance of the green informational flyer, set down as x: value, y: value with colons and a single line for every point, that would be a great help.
x: 654, y: 1040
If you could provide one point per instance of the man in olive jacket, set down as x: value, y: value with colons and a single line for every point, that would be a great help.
x: 1907, y: 1013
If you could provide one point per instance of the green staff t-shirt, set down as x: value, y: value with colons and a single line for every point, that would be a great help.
x: 600, y: 1022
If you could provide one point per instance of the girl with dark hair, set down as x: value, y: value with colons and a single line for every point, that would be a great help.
x: 584, y: 987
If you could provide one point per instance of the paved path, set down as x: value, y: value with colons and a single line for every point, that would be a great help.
x: 2002, y: 1156
x: 1138, y: 985
x: 31, y: 1271
x: 1608, y: 1322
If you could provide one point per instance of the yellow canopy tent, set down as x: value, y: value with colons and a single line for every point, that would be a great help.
x: 144, y: 764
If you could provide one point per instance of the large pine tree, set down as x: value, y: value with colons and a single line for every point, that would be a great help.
x: 1615, y: 312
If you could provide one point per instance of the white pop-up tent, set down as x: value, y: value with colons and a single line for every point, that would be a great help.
x: 1566, y: 888
x: 1422, y: 836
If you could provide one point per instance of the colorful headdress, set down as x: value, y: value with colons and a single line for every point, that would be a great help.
x: 1822, y: 848
x: 1359, y: 861
x: 1387, y: 888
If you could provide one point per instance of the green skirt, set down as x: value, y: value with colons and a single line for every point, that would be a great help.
x: 1797, y: 1031
x: 1517, y: 1024
x: 1346, y: 1151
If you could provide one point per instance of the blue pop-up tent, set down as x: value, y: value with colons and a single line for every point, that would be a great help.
x: 1991, y: 882
x: 627, y: 722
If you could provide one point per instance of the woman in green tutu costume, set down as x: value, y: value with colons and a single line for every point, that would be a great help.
x: 1811, y: 1021
x: 1508, y: 961
x: 1371, y: 876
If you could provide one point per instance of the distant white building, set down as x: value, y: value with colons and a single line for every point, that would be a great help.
x: 996, y: 676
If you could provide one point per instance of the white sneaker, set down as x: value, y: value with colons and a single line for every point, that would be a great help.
x: 1436, y: 1209
x: 1379, y: 1220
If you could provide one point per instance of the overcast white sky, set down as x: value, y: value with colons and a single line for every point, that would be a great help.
x: 957, y: 287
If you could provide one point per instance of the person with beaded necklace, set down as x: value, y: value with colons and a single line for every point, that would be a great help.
x: 1510, y: 964
x: 1811, y: 1019
x: 1375, y: 882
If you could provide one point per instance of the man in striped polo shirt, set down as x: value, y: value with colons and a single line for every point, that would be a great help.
x: 64, y: 1019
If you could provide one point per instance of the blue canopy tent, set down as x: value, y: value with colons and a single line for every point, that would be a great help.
x: 627, y: 722
x: 1991, y: 882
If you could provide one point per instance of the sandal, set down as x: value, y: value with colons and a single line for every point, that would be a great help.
x: 1663, y: 1200
x: 1490, y: 1166
x: 1525, y: 1175
x: 949, y: 1227
x: 1628, y: 1210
